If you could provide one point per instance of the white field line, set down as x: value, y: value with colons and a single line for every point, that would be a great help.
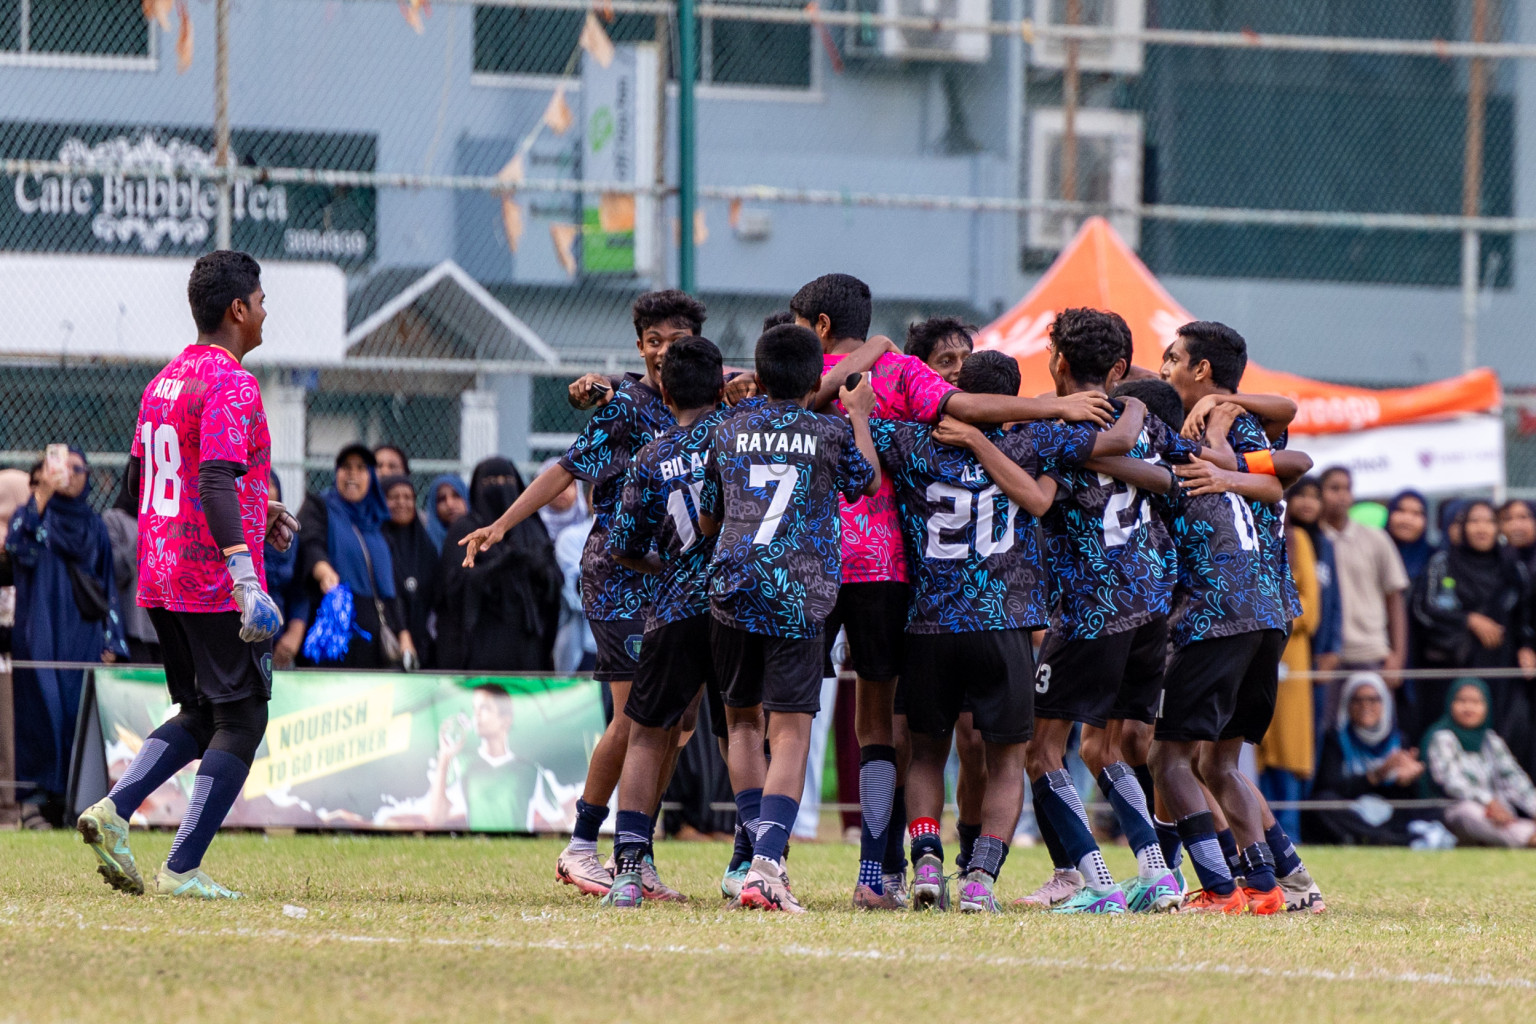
x: 800, y: 952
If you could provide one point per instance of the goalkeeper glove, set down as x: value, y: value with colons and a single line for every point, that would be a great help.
x: 259, y: 617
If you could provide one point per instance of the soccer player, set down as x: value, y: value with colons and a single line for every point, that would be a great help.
x: 1204, y: 365
x: 1102, y: 659
x: 968, y: 499
x: 771, y: 485
x: 614, y: 596
x: 495, y: 786
x: 204, y: 519
x: 872, y: 605
x: 659, y: 513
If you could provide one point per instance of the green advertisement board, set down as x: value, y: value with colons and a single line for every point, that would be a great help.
x: 385, y: 750
x: 168, y: 205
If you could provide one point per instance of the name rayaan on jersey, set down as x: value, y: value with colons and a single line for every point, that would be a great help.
x: 775, y: 442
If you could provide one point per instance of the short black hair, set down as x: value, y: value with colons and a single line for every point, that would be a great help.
x: 1207, y: 341
x: 493, y: 690
x: 1322, y: 478
x: 665, y: 307
x: 1306, y: 483
x: 218, y: 279
x: 405, y: 460
x: 1091, y: 341
x: 789, y: 361
x: 1161, y: 399
x: 843, y: 298
x: 924, y: 336
x: 990, y: 373
x: 777, y: 319
x: 1127, y: 344
x: 691, y: 373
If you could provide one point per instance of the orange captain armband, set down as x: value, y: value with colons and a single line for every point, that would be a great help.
x: 1260, y: 462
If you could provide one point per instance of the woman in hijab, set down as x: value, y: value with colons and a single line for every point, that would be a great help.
x: 1471, y: 608
x: 342, y: 541
x: 1495, y: 800
x: 122, y: 522
x: 500, y: 615
x: 568, y: 508
x: 67, y: 610
x: 1362, y: 755
x: 415, y: 558
x: 1408, y: 526
x: 288, y: 590
x: 449, y: 501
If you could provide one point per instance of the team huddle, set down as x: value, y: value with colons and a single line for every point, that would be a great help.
x: 916, y: 504
x: 910, y: 501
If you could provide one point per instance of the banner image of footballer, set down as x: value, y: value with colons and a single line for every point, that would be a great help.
x: 385, y: 751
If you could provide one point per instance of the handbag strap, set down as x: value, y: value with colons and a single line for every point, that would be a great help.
x: 373, y: 579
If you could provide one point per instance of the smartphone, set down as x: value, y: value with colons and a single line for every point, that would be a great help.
x: 56, y: 465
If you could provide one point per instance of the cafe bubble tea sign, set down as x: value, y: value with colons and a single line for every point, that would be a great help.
x: 135, y: 190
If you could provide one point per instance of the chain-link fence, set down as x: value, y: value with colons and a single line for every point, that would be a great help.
x: 463, y: 198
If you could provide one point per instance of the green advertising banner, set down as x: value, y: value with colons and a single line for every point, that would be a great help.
x: 385, y: 750
x: 168, y: 207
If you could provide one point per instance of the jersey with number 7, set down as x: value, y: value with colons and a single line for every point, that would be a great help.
x: 773, y: 484
x: 203, y: 407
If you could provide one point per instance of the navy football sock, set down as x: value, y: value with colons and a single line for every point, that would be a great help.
x: 1258, y: 867
x: 1287, y: 859
x: 877, y: 793
x: 1198, y: 832
x: 1064, y: 808
x: 631, y: 839
x: 749, y: 813
x: 1047, y: 831
x: 1119, y: 784
x: 895, y: 860
x: 968, y: 836
x: 167, y: 751
x: 1229, y: 849
x: 589, y: 818
x: 988, y: 855
x: 219, y: 778
x: 773, y: 829
x: 1168, y: 839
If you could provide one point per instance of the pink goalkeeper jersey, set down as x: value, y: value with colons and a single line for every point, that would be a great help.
x: 203, y: 406
x: 905, y: 389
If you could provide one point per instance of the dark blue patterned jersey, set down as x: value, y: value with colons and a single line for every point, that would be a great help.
x: 973, y: 555
x: 660, y: 508
x: 1112, y: 561
x: 1270, y: 520
x: 1224, y: 584
x: 772, y: 484
x: 632, y: 419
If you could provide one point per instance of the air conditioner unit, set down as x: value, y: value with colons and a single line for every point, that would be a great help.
x: 1118, y: 55
x: 1109, y: 153
x: 921, y: 44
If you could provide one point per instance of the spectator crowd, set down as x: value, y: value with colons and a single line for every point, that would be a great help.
x: 1381, y: 592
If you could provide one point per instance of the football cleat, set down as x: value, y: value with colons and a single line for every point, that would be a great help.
x: 655, y: 888
x: 1153, y: 897
x: 1204, y: 901
x: 766, y: 887
x: 1264, y: 902
x: 194, y: 884
x: 929, y: 884
x: 626, y: 893
x: 730, y: 883
x: 106, y: 833
x: 1094, y: 901
x: 976, y: 896
x: 584, y: 871
x: 1063, y: 884
x: 1301, y: 892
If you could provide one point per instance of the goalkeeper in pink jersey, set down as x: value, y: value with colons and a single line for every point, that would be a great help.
x: 201, y: 460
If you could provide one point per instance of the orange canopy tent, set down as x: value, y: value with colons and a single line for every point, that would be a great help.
x: 1437, y: 437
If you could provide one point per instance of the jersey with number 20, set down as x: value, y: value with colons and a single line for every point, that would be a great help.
x: 204, y: 406
x: 772, y: 484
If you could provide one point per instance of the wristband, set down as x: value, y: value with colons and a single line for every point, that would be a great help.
x: 242, y: 571
x: 1260, y: 462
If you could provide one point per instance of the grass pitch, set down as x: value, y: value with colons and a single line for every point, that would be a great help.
x: 342, y: 928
